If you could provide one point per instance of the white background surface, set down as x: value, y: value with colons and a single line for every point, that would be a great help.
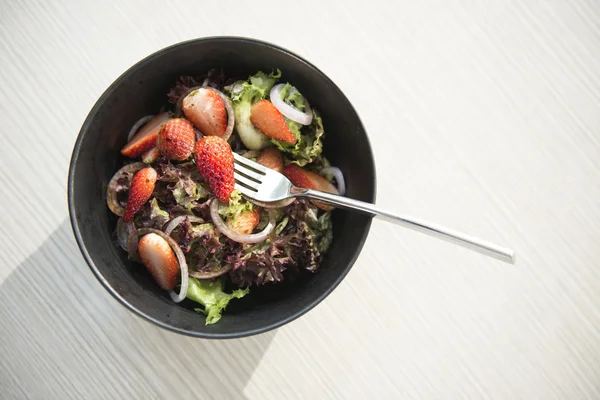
x: 483, y: 115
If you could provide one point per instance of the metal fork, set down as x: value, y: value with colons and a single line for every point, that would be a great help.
x: 266, y: 185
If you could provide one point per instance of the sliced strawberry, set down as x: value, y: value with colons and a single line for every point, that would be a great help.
x: 176, y: 139
x: 214, y: 160
x: 205, y: 108
x: 151, y: 155
x: 309, y: 180
x: 145, y: 138
x: 267, y: 118
x: 271, y: 158
x: 159, y: 259
x: 245, y: 222
x: 140, y: 190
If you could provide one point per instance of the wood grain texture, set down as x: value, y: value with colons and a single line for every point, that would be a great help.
x: 483, y: 115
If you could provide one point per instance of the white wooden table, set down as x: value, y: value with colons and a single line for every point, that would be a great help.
x: 483, y: 115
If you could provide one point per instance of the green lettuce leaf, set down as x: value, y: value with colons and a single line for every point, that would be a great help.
x: 320, y: 227
x: 211, y: 296
x: 237, y: 205
x: 309, y: 144
x: 324, y: 230
x: 292, y: 96
x: 186, y: 192
x: 158, y: 215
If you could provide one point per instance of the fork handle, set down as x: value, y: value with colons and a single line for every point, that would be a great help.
x: 481, y: 246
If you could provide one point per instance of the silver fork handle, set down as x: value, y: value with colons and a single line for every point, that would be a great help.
x: 481, y: 246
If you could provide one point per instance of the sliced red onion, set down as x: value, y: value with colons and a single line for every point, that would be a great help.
x: 179, y: 103
x: 236, y: 236
x: 211, y: 274
x: 132, y: 245
x: 123, y: 231
x: 230, y: 115
x: 271, y: 205
x: 339, y: 178
x: 111, y: 190
x: 175, y: 222
x: 291, y: 112
x: 136, y: 127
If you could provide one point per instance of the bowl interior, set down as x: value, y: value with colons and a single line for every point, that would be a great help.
x: 142, y: 90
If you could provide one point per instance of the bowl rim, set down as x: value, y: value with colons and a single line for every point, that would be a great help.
x: 75, y: 224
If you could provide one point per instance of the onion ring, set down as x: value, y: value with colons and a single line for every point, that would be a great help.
x: 339, y: 178
x: 179, y: 103
x: 132, y: 244
x: 211, y: 274
x: 236, y: 236
x: 175, y: 222
x: 111, y: 189
x: 123, y: 231
x: 291, y: 112
x: 136, y: 127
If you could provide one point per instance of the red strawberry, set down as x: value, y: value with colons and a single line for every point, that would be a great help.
x: 214, y: 160
x: 205, y: 108
x: 151, y: 155
x: 245, y: 222
x: 267, y: 118
x: 140, y: 190
x: 159, y: 259
x: 145, y: 138
x: 271, y: 158
x: 309, y: 180
x: 176, y: 139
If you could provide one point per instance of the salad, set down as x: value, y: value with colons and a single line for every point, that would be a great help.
x: 179, y: 213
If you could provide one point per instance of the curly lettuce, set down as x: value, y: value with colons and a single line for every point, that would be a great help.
x: 237, y: 205
x: 301, y: 238
x: 151, y: 216
x: 210, y: 294
x: 292, y: 96
x: 309, y: 142
x: 187, y: 192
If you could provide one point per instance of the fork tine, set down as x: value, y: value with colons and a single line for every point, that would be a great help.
x: 249, y: 163
x: 247, y: 182
x: 248, y: 172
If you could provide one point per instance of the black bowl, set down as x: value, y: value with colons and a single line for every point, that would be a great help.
x: 141, y: 91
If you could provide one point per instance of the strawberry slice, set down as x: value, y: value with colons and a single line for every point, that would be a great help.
x: 305, y: 179
x: 140, y: 190
x: 245, y: 222
x: 176, y: 139
x: 151, y: 155
x: 267, y: 118
x: 205, y: 108
x: 159, y: 259
x: 145, y: 138
x: 214, y: 160
x: 271, y: 158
